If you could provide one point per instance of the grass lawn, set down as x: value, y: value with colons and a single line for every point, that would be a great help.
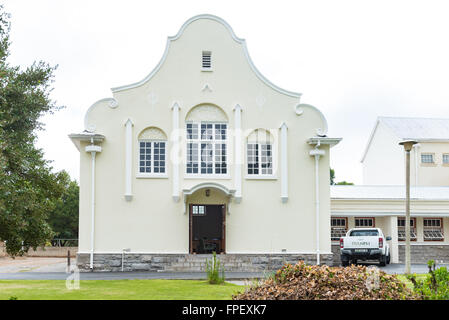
x: 117, y: 290
x: 127, y: 289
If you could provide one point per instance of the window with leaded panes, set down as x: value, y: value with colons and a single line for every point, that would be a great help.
x: 206, y: 148
x: 401, y: 229
x: 445, y: 158
x: 259, y: 154
x: 152, y: 157
x: 339, y: 227
x: 198, y: 210
x: 427, y: 158
x: 364, y: 222
x: 433, y: 229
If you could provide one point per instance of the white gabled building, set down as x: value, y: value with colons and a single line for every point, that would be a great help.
x: 383, y: 159
x: 204, y: 154
x: 380, y: 201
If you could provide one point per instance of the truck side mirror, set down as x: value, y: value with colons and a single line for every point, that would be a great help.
x: 388, y: 238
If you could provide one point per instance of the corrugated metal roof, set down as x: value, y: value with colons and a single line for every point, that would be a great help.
x: 388, y: 192
x: 418, y: 128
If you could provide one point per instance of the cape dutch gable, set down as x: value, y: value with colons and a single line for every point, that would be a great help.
x: 204, y: 154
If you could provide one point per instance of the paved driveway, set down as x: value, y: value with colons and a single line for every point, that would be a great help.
x: 33, y: 268
x: 398, y: 268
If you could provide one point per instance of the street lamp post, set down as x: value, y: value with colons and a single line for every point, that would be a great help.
x: 408, y: 145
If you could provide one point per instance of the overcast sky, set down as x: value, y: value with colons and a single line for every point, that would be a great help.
x: 354, y: 60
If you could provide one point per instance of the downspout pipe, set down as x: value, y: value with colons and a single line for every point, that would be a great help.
x: 317, y: 153
x: 92, y: 149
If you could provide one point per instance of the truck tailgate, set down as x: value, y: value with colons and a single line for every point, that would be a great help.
x: 361, y: 242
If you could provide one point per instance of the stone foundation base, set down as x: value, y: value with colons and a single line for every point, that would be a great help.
x: 336, y: 254
x: 424, y: 253
x: 194, y: 262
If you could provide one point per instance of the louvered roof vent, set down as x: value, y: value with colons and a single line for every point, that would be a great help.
x: 207, y: 60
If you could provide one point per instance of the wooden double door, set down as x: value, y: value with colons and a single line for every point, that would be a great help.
x: 207, y: 228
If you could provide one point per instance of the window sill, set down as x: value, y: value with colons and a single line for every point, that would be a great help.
x: 426, y: 243
x: 261, y: 177
x: 151, y: 176
x: 207, y: 176
x: 207, y: 69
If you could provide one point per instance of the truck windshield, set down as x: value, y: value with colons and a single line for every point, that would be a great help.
x: 364, y: 233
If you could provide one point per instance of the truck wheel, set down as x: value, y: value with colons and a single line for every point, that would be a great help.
x: 354, y: 261
x: 344, y: 263
x: 383, y: 260
x: 388, y: 259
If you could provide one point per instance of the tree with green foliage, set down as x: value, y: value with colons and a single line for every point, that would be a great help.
x: 64, y: 218
x: 28, y: 188
x: 332, y: 175
x: 341, y: 183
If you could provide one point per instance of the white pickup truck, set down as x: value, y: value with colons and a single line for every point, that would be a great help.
x: 364, y: 244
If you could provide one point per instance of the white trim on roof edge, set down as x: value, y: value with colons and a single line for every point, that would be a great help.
x: 386, y: 214
x: 113, y: 103
x: 237, y: 39
x: 369, y: 140
x: 378, y: 120
x: 299, y: 111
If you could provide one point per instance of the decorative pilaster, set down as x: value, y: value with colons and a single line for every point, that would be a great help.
x: 175, y: 153
x: 128, y: 159
x: 284, y: 163
x: 238, y: 152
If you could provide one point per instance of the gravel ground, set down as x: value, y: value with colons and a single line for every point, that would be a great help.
x: 32, y: 264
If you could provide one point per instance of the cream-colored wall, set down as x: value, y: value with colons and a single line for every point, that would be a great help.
x: 384, y: 224
x: 384, y: 160
x: 152, y: 221
x: 436, y: 174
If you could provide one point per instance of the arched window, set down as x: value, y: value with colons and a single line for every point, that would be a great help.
x: 259, y: 151
x: 152, y: 152
x: 207, y: 135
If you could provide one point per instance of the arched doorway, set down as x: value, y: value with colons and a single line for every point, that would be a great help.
x: 207, y: 206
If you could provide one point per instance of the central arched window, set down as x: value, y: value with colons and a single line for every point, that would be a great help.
x: 207, y: 136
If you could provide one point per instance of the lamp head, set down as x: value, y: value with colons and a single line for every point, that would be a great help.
x: 408, y: 144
